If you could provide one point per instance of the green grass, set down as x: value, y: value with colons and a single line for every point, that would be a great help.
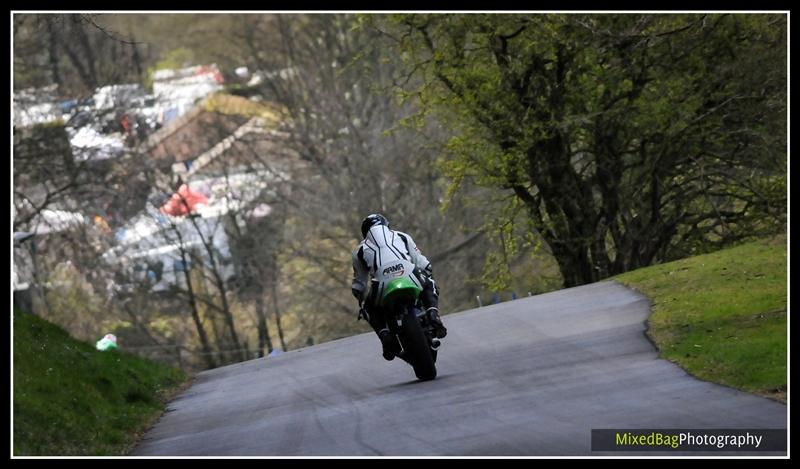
x: 70, y: 399
x: 722, y: 316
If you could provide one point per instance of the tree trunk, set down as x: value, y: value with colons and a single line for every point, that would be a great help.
x: 52, y: 55
x: 263, y: 328
x: 40, y: 306
x: 229, y: 322
x: 88, y: 52
x: 137, y: 60
x: 201, y: 331
x: 220, y: 284
x: 575, y: 266
x: 278, y: 315
x: 211, y: 311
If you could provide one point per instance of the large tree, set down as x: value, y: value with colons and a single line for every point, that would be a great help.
x: 628, y: 139
x: 340, y: 118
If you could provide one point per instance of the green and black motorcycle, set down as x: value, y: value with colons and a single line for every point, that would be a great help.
x: 398, y: 294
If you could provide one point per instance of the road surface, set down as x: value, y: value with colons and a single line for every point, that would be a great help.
x: 522, y: 378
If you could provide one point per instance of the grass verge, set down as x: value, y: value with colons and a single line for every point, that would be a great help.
x: 722, y: 316
x: 70, y: 399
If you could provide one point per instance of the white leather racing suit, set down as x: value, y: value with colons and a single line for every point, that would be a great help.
x: 381, y: 246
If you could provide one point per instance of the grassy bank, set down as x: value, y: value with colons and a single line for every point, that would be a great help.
x: 722, y: 316
x: 70, y: 399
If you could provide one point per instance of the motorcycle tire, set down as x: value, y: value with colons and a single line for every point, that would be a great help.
x: 418, y: 352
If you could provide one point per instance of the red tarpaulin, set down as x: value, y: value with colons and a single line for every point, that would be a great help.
x: 213, y: 71
x: 184, y: 202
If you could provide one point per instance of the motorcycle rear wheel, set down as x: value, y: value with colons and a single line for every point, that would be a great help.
x: 418, y: 352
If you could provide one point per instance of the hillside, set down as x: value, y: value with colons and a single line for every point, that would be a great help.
x: 70, y: 399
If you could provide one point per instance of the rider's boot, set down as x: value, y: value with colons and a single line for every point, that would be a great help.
x: 389, y: 344
x: 438, y: 327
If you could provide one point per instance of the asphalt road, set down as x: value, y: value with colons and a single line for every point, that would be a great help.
x: 521, y: 378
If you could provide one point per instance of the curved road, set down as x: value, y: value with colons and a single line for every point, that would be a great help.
x: 522, y: 378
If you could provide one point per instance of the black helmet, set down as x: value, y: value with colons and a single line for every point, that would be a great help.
x: 372, y: 220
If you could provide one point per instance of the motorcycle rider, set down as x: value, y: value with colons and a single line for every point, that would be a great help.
x: 380, y: 246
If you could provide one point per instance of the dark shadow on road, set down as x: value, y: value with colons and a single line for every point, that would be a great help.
x: 413, y: 382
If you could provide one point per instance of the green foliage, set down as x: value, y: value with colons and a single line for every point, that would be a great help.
x: 520, y: 260
x: 234, y: 105
x: 70, y: 399
x: 174, y: 59
x: 722, y: 316
x: 630, y: 139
